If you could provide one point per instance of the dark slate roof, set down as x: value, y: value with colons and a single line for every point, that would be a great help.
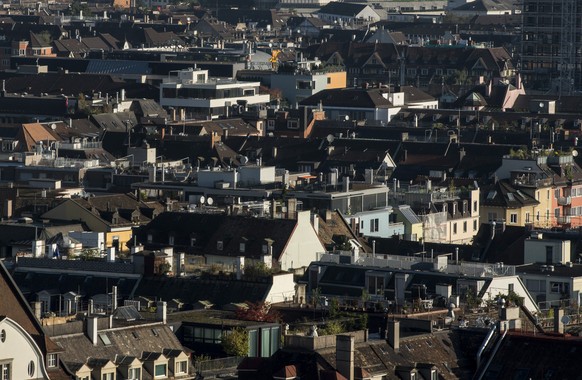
x: 34, y: 280
x: 219, y: 291
x: 342, y: 9
x: 131, y: 341
x: 252, y: 231
x: 349, y: 97
x: 452, y: 352
x: 503, y: 194
x: 506, y: 246
x: 487, y: 5
x: 183, y: 225
x: 536, y: 356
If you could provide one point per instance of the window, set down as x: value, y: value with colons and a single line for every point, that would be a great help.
x: 374, y: 225
x: 160, y: 370
x: 108, y: 376
x: 513, y: 218
x: 328, y: 80
x: 241, y: 247
x: 3, y: 336
x: 536, y: 286
x: 219, y: 245
x: 475, y: 206
x: 31, y: 368
x: 52, y: 360
x: 270, y: 125
x: 292, y: 124
x: 171, y: 239
x: 475, y: 225
x: 549, y: 254
x: 527, y: 216
x: 454, y: 228
x: 150, y: 238
x: 182, y: 367
x: 134, y: 374
x: 6, y: 370
x: 465, y: 227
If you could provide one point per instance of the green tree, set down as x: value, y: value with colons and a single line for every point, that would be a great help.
x: 77, y: 6
x: 259, y: 269
x: 334, y: 311
x: 333, y: 328
x: 236, y: 342
x: 164, y: 268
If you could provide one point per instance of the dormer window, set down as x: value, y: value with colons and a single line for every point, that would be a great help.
x: 293, y: 124
x: 150, y: 238
x: 219, y: 245
x: 242, y: 247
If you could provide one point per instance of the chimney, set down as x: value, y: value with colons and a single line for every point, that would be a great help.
x: 292, y: 208
x: 273, y: 208
x: 393, y: 331
x: 240, y: 264
x: 162, y: 311
x: 346, y: 184
x: 493, y: 227
x: 558, y: 320
x: 315, y: 222
x: 344, y: 355
x: 111, y: 254
x: 113, y: 299
x: 92, y: 329
x: 37, y: 307
x: 91, y: 309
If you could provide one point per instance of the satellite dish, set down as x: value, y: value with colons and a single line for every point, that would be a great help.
x: 575, y: 153
x: 541, y: 104
x: 210, y: 201
x: 330, y: 138
x: 565, y: 319
x: 53, y: 126
x: 202, y: 199
x: 347, y: 117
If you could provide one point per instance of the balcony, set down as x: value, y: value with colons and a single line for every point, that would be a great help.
x: 564, y: 201
x: 564, y: 219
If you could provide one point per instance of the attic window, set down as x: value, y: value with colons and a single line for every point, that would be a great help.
x: 219, y: 245
x: 135, y: 334
x: 105, y: 339
x: 156, y: 332
x: 292, y: 124
x: 192, y: 242
x: 242, y: 247
x: 150, y: 238
x: 491, y: 194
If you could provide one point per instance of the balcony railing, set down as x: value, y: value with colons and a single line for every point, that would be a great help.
x: 564, y: 219
x: 564, y: 201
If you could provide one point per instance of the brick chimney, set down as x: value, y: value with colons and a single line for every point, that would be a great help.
x: 344, y: 355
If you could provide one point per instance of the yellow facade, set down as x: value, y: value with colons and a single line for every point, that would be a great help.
x: 123, y: 237
x: 337, y: 79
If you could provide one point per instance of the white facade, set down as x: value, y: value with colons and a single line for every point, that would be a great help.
x: 256, y: 175
x: 19, y: 353
x: 282, y: 289
x: 303, y: 246
x: 199, y: 95
x: 377, y: 223
x: 539, y: 250
x: 211, y: 178
x: 367, y: 14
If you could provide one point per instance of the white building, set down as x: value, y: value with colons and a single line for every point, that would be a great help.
x: 377, y: 223
x: 200, y: 96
